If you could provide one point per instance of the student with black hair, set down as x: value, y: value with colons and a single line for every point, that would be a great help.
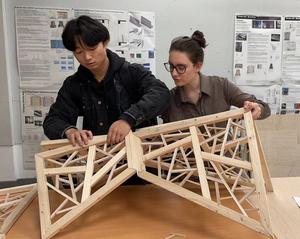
x: 112, y: 95
x: 196, y: 94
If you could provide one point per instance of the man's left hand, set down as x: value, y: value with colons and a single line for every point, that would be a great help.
x: 118, y: 131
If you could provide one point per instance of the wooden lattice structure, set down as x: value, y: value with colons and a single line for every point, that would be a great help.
x: 13, y: 201
x: 208, y: 160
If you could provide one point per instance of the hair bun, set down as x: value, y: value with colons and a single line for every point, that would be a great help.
x: 199, y: 37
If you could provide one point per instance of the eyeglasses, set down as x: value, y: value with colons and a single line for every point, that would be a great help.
x: 181, y: 69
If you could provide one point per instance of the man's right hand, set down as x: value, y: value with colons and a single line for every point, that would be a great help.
x: 80, y: 137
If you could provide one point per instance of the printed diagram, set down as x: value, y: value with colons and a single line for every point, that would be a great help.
x: 141, y: 30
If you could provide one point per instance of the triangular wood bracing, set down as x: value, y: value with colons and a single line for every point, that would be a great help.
x: 208, y: 160
x: 13, y: 201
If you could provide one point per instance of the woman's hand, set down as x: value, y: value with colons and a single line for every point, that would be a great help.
x: 254, y: 108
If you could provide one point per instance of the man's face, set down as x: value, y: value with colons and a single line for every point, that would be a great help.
x: 91, y: 57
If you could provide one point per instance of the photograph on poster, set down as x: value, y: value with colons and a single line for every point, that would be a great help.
x: 241, y: 37
x: 267, y: 24
x: 250, y: 69
x: 278, y: 24
x: 28, y: 119
x: 37, y: 113
x: 290, y: 46
x: 237, y: 72
x: 256, y: 24
x: 238, y: 46
x: 275, y: 37
x: 287, y: 36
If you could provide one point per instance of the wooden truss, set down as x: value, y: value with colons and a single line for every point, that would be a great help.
x: 208, y: 160
x: 13, y: 201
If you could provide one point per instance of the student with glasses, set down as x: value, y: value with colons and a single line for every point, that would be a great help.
x: 196, y: 94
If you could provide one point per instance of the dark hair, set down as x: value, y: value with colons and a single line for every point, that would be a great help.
x: 86, y: 30
x: 193, y: 46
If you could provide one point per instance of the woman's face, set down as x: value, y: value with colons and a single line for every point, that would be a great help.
x: 179, y: 61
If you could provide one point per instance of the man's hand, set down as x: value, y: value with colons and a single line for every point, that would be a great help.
x: 80, y: 137
x: 254, y: 108
x: 118, y: 131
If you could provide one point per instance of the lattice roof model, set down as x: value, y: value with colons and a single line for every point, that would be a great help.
x: 207, y: 160
x: 13, y: 201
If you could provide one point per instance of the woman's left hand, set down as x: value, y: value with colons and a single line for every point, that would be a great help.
x: 254, y: 108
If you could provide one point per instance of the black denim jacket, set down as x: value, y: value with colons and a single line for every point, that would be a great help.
x: 128, y: 92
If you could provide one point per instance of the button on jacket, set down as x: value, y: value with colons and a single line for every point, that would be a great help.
x: 127, y: 92
x: 216, y: 95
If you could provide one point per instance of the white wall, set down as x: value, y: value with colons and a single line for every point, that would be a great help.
x: 6, y: 139
x: 173, y: 17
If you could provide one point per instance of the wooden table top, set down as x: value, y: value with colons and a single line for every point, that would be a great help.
x: 143, y: 211
x: 149, y: 212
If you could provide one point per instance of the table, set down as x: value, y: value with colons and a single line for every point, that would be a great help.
x: 150, y: 212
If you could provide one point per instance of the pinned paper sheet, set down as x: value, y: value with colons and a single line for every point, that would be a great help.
x: 297, y: 199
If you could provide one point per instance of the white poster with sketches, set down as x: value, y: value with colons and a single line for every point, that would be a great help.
x: 257, y: 50
x: 291, y: 50
x: 42, y: 59
x: 44, y: 63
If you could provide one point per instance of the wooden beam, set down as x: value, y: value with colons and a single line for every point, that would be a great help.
x: 263, y: 161
x: 257, y: 173
x: 200, y: 164
x: 44, y: 205
x: 167, y: 149
x: 134, y: 152
x: 185, y: 124
x: 86, y: 191
x: 64, y: 170
x: 228, y: 161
